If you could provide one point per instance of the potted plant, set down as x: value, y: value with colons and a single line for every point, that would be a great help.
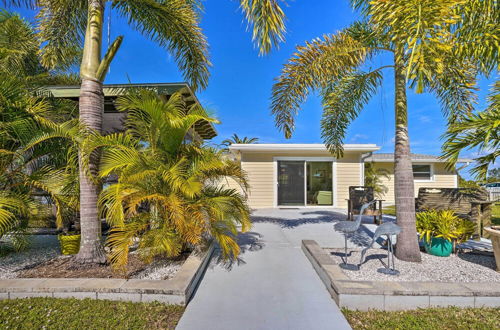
x: 69, y: 237
x: 441, y: 231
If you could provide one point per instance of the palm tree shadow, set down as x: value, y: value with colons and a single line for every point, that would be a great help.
x: 484, y: 259
x: 294, y: 219
x: 248, y: 242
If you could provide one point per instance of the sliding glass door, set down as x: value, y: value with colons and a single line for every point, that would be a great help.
x: 302, y: 183
x: 319, y: 183
x: 291, y: 183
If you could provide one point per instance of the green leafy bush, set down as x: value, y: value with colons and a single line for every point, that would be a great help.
x: 444, y: 224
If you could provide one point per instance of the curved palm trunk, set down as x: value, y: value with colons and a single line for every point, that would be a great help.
x: 91, y: 108
x: 407, y: 248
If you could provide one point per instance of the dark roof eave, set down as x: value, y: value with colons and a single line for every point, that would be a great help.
x: 113, y: 90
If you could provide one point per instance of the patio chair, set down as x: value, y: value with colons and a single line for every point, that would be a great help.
x: 360, y: 195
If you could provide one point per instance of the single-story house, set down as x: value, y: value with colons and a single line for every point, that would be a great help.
x: 307, y: 175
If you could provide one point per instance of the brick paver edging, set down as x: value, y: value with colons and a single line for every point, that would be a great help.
x: 177, y: 290
x: 387, y: 295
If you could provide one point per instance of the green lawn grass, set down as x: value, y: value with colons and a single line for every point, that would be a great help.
x: 389, y: 210
x: 495, y: 215
x: 52, y: 313
x: 432, y: 318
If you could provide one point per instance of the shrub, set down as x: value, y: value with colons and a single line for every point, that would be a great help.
x: 444, y: 224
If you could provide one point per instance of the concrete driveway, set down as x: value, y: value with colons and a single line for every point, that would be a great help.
x: 273, y: 285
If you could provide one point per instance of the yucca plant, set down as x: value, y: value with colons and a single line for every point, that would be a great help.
x: 168, y: 194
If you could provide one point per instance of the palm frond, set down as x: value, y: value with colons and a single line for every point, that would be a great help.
x: 313, y: 67
x: 267, y: 20
x: 342, y: 102
x: 477, y: 130
x: 61, y: 30
x: 175, y: 26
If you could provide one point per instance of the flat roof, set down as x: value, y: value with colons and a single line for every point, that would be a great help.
x: 299, y: 147
x: 389, y: 157
x: 205, y: 129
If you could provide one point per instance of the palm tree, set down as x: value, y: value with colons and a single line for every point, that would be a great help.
x: 66, y: 25
x: 336, y: 64
x: 235, y: 139
x: 477, y: 130
x: 167, y: 193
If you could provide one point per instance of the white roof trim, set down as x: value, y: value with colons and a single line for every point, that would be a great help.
x: 300, y: 147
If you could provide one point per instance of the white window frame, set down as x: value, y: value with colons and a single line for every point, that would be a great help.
x: 305, y: 159
x: 431, y: 169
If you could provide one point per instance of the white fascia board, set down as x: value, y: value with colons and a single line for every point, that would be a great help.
x: 300, y: 147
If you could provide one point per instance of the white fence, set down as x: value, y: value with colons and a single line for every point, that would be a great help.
x: 494, y: 193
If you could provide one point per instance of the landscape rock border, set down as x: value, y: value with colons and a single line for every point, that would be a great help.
x: 177, y: 290
x: 390, y: 296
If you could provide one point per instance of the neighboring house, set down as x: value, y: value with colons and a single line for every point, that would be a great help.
x: 298, y: 175
x: 113, y: 120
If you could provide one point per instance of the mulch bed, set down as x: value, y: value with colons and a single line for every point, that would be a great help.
x: 67, y: 267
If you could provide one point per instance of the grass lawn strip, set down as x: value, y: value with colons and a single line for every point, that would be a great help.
x: 430, y: 318
x: 495, y: 214
x: 52, y: 313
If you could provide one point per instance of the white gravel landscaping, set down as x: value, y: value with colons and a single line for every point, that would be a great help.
x: 41, y: 248
x: 45, y: 247
x: 464, y: 267
x: 160, y: 270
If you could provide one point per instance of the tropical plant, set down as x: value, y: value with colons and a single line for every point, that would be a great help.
x: 373, y: 179
x: 479, y: 131
x: 66, y: 25
x: 235, y: 139
x: 28, y: 174
x: 167, y: 194
x: 421, y: 42
x: 444, y: 224
x: 30, y: 177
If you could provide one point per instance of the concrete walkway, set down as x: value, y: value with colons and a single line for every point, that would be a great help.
x: 273, y: 285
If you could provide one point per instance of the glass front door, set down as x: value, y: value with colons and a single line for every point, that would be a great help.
x: 303, y: 183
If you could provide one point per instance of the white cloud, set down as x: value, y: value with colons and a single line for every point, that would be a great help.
x: 358, y: 137
x: 424, y: 119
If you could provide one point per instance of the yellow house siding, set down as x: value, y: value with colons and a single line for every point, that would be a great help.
x: 442, y: 178
x: 349, y: 173
x: 260, y: 169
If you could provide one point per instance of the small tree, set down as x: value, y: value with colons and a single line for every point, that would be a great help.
x: 373, y: 179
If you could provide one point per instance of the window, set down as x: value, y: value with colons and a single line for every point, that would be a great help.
x: 422, y: 172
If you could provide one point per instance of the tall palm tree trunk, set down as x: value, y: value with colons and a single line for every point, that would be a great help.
x: 91, y: 106
x: 407, y: 248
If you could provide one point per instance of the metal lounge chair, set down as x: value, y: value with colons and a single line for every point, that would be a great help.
x: 349, y: 227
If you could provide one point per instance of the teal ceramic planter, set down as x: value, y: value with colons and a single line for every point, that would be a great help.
x: 438, y: 247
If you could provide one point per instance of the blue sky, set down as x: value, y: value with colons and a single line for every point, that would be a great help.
x: 240, y: 84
